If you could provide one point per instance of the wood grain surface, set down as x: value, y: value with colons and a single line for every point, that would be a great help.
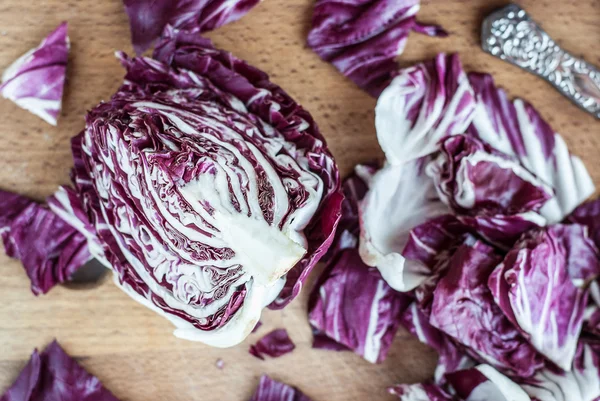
x: 129, y: 347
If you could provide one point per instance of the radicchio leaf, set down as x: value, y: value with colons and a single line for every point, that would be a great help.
x: 542, y: 287
x: 274, y: 344
x: 148, y: 18
x: 484, y: 383
x: 588, y: 214
x: 580, y: 384
x: 433, y: 243
x: 463, y: 307
x: 36, y: 80
x: 49, y: 248
x: 272, y: 390
x: 481, y: 383
x: 592, y: 320
x: 353, y: 306
x: 386, y: 226
x: 54, y: 375
x: 489, y: 191
x: 362, y: 38
x: 420, y: 392
x: 210, y: 191
x: 422, y: 105
x: 452, y: 356
x: 517, y: 129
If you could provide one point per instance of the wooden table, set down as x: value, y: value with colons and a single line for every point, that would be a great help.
x: 129, y: 347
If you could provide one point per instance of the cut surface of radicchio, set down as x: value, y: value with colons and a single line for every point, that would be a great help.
x: 54, y: 375
x: 36, y: 80
x: 205, y: 187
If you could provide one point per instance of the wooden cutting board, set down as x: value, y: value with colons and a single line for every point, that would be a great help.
x: 129, y: 347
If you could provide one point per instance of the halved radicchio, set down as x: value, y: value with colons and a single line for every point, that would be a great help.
x: 208, y: 190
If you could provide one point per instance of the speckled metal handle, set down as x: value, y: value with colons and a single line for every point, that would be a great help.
x: 513, y: 36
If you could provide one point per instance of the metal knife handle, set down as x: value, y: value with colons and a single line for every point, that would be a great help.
x: 513, y: 36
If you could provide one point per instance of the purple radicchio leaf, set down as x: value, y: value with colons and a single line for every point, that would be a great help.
x: 362, y: 38
x: 432, y: 244
x: 516, y: 129
x: 422, y: 105
x: 452, y: 356
x: 196, y: 172
x: 353, y: 306
x: 490, y: 191
x: 50, y: 249
x: 431, y: 241
x: 542, y: 287
x: 148, y: 18
x: 385, y: 227
x: 580, y: 384
x: 54, y: 375
x: 36, y: 80
x: 420, y: 392
x: 273, y: 344
x: 588, y: 214
x: 484, y: 383
x: 272, y: 390
x: 463, y: 307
